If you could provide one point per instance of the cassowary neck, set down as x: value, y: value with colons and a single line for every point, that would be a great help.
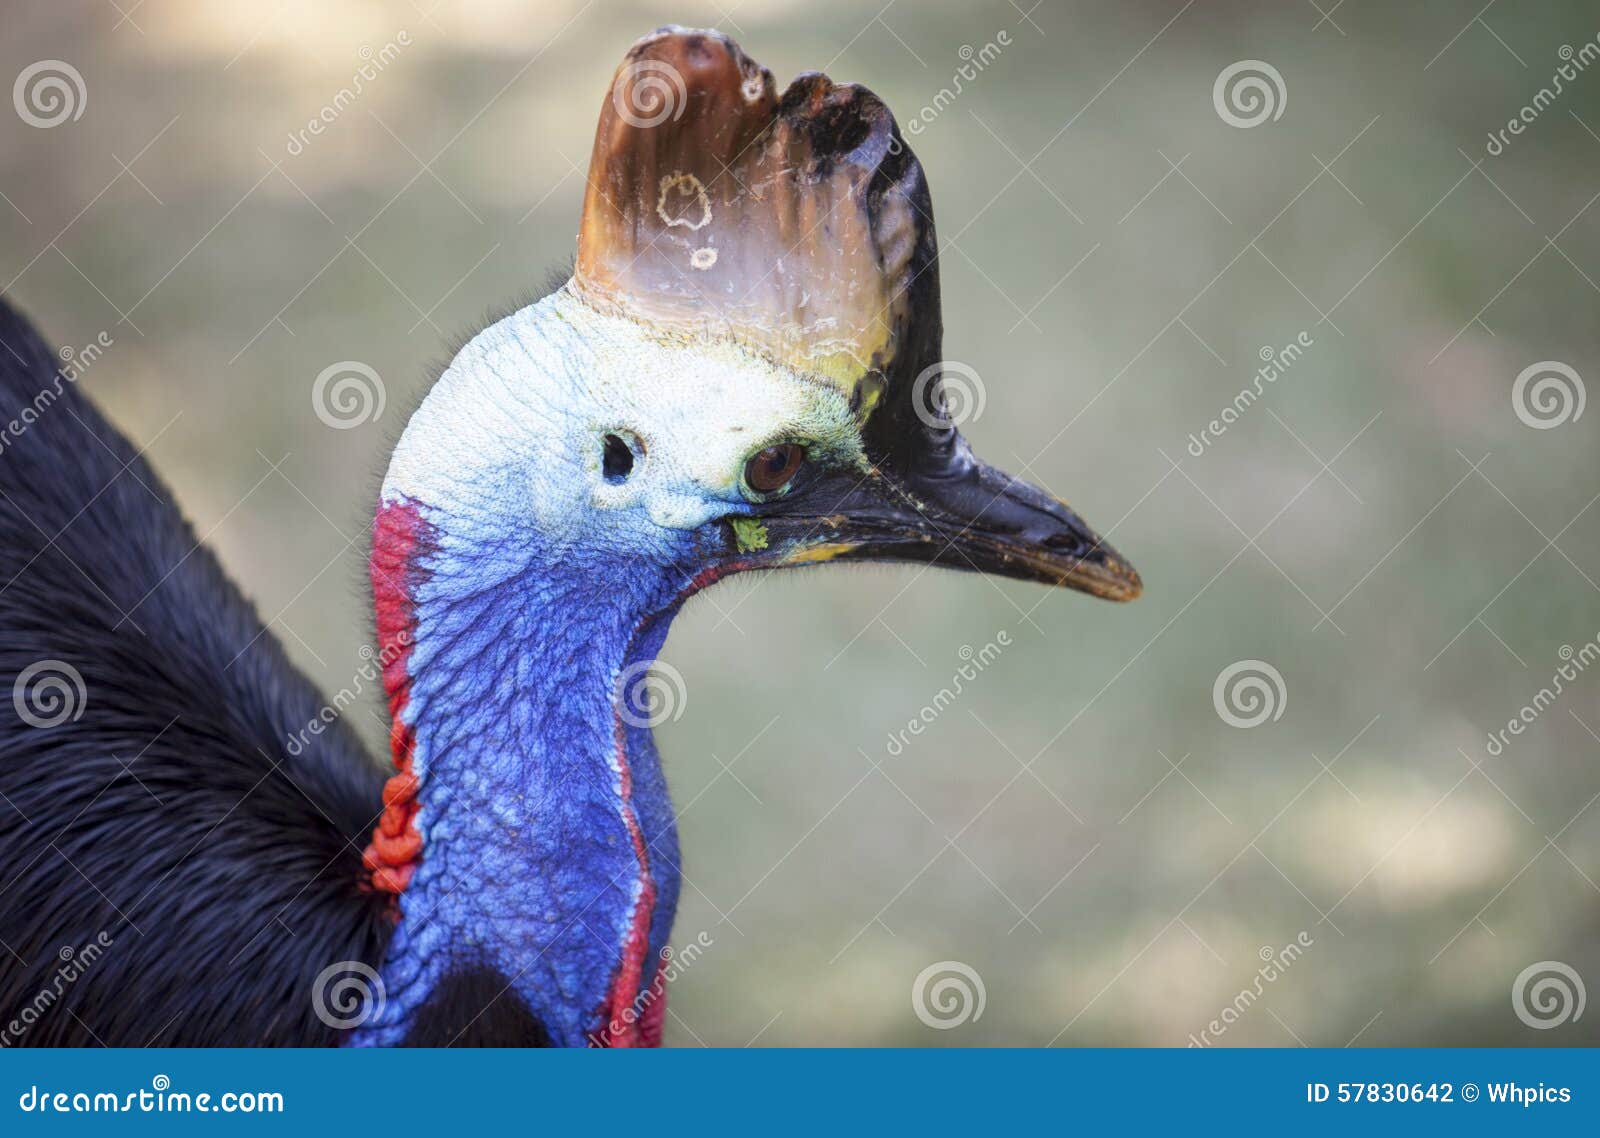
x: 528, y: 834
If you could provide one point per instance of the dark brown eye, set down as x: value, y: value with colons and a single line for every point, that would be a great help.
x: 770, y: 470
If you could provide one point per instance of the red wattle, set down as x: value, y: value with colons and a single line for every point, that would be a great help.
x: 395, y: 850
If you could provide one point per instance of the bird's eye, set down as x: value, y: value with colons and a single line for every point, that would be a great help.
x: 616, y: 460
x: 771, y: 469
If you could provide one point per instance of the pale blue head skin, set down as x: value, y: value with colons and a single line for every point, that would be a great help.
x: 549, y: 581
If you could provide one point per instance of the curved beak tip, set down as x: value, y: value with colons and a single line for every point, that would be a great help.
x: 1101, y: 572
x: 1130, y: 586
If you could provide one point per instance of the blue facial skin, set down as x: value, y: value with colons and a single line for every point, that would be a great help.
x: 528, y: 866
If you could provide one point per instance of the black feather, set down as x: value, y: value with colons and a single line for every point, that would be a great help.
x: 476, y: 1007
x: 169, y: 816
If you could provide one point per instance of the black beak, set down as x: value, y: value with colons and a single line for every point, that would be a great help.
x: 946, y: 507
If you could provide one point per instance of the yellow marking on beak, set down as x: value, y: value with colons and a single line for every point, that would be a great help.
x: 813, y: 554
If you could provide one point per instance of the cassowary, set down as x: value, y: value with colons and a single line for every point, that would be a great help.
x: 742, y: 373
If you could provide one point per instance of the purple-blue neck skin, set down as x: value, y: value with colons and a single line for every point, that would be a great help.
x: 529, y: 864
x: 544, y: 590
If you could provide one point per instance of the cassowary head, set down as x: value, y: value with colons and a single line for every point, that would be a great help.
x: 742, y: 373
x: 745, y: 369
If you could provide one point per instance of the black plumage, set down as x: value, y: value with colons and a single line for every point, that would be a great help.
x: 169, y: 817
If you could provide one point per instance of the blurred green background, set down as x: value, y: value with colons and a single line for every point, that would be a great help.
x: 1115, y: 255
